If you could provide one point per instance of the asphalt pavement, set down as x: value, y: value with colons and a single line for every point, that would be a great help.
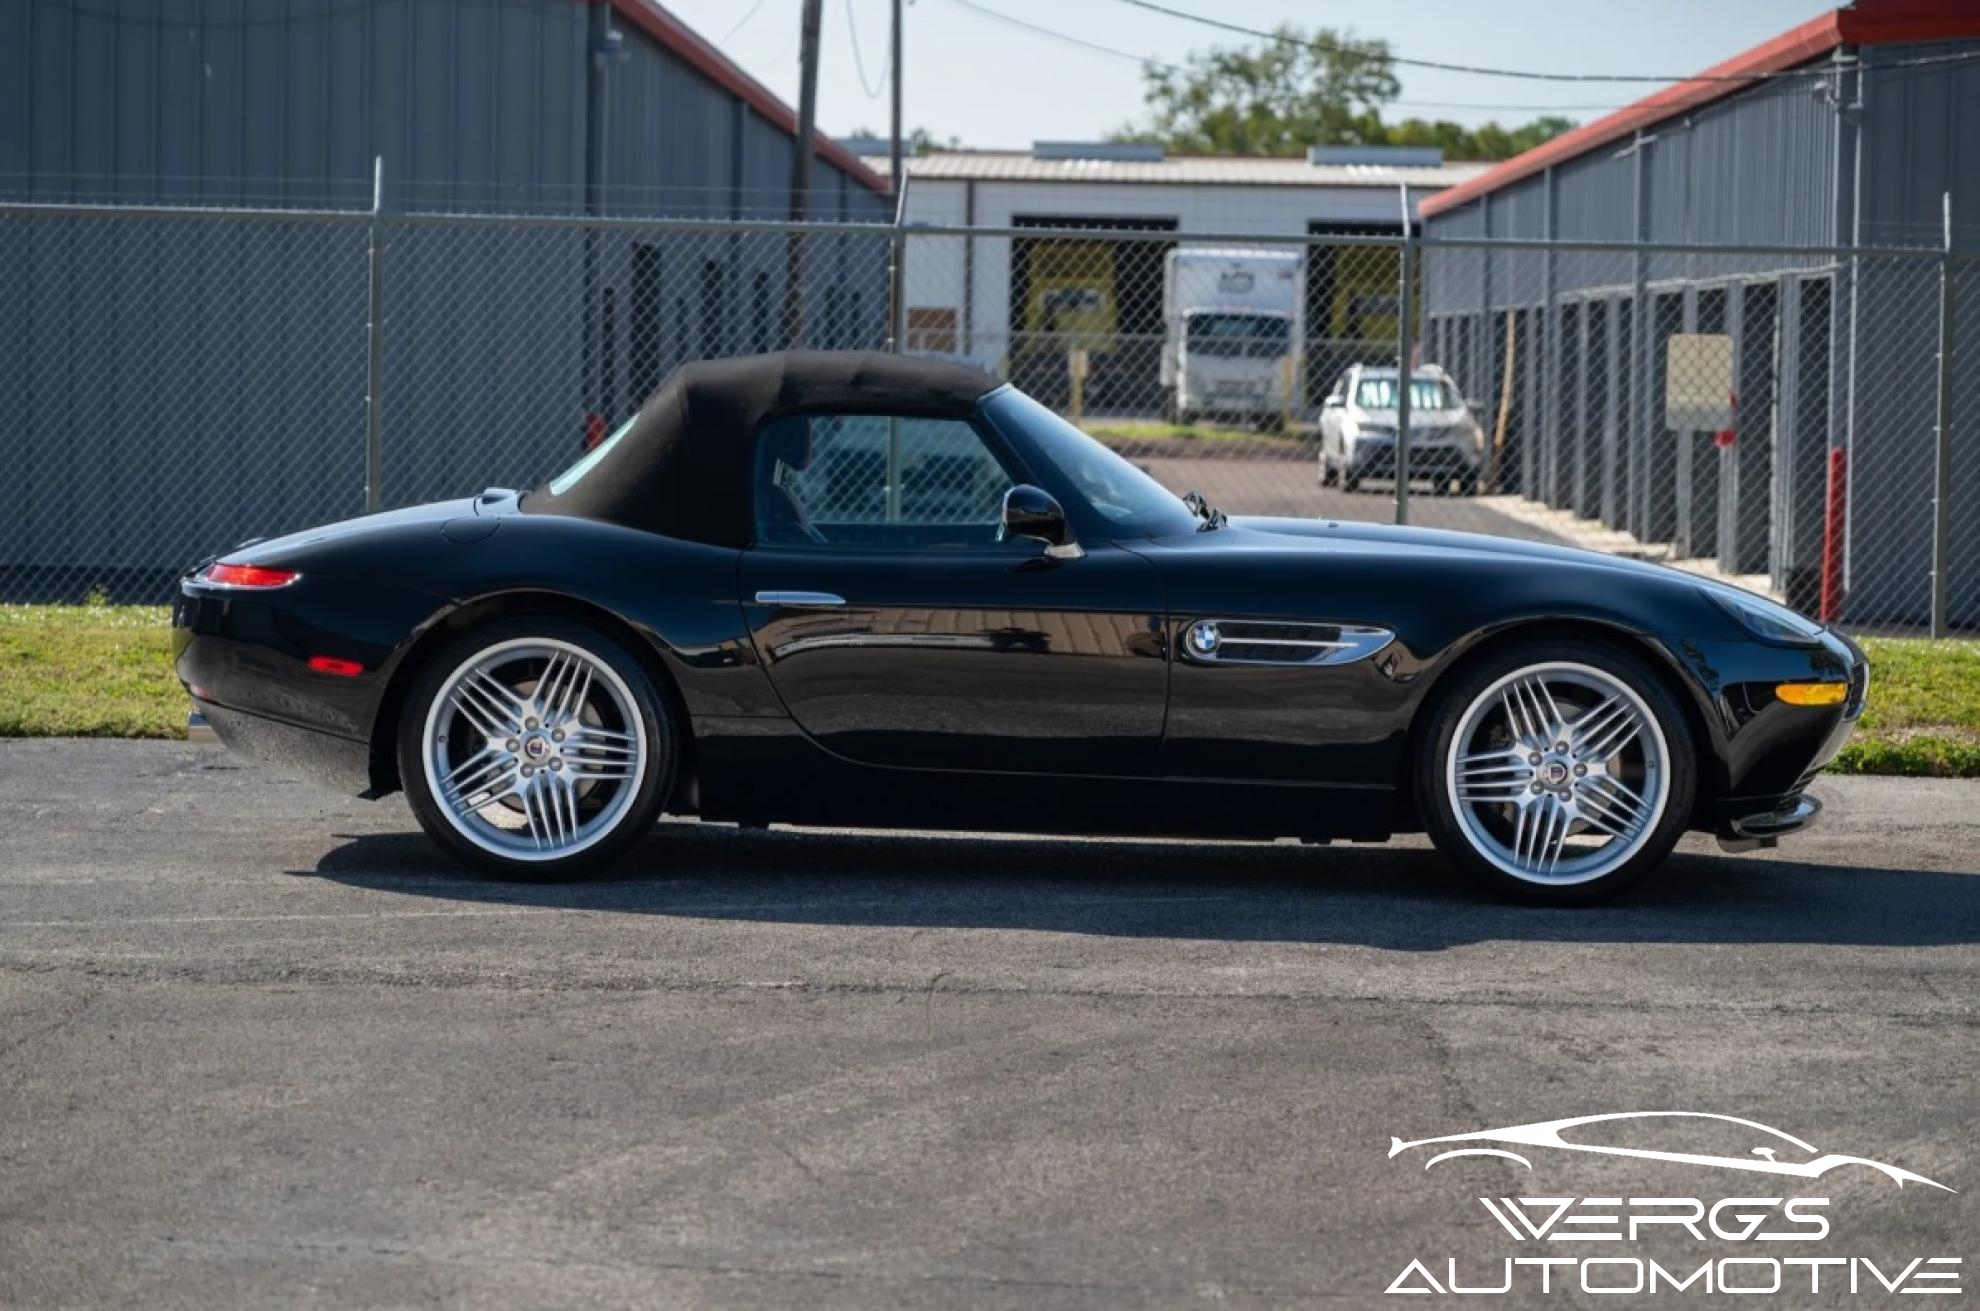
x: 260, y: 1046
x: 1291, y: 488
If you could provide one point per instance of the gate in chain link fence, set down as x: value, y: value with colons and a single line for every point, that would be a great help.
x: 173, y: 381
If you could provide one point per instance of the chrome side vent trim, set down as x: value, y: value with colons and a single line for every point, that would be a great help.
x: 801, y: 600
x: 1268, y: 642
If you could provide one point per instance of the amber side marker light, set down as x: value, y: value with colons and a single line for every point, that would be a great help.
x: 1812, y: 694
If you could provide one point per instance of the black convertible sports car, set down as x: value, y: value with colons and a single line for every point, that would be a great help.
x: 856, y: 589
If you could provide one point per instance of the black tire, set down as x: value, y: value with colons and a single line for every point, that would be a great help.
x: 1445, y: 713
x: 1468, y: 485
x: 650, y: 705
x: 1328, y: 474
x: 1350, y: 481
x: 1169, y: 405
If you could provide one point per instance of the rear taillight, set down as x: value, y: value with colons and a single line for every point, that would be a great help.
x: 247, y: 575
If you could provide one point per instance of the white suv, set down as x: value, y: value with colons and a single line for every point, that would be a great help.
x: 1358, y: 429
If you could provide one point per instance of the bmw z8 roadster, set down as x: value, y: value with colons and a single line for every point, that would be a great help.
x: 857, y: 589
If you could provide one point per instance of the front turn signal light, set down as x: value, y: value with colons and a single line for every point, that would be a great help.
x: 1812, y: 694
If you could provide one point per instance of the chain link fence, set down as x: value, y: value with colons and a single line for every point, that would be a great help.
x: 174, y: 381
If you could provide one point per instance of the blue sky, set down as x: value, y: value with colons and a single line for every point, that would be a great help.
x: 992, y: 84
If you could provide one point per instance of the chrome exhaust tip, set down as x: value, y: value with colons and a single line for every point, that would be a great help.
x: 198, y: 731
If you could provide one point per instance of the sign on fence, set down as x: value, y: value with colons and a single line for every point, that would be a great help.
x: 1698, y: 382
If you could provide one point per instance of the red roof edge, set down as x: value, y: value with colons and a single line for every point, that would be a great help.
x: 691, y: 46
x: 1867, y: 23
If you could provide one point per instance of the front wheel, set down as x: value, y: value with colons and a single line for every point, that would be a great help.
x: 536, y: 747
x: 1558, y: 771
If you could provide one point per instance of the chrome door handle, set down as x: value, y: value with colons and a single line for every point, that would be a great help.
x: 800, y: 600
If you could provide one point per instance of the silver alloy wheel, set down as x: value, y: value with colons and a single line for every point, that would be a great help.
x: 1558, y: 773
x: 534, y: 749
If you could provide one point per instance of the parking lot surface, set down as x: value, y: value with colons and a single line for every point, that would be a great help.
x: 260, y: 1045
x: 1291, y: 488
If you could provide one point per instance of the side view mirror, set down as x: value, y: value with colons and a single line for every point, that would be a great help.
x: 1333, y: 402
x: 1032, y: 512
x: 1474, y: 404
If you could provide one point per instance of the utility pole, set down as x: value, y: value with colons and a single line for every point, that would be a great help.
x: 897, y: 246
x: 801, y: 171
x: 600, y: 43
x: 895, y: 157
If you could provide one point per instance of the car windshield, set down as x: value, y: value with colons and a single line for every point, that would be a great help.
x: 1134, y: 503
x: 1233, y: 335
x: 1379, y: 393
x: 570, y: 477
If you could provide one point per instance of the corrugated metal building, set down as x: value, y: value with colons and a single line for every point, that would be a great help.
x: 174, y: 349
x: 1848, y: 130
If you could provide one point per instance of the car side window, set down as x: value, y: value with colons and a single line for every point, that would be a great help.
x: 874, y: 480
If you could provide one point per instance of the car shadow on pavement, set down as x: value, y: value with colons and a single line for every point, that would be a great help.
x: 1398, y: 898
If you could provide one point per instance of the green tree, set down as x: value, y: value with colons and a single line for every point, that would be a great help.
x: 920, y: 141
x: 1301, y: 89
x: 1276, y: 99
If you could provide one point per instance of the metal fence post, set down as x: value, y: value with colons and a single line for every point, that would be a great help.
x: 897, y: 270
x: 1942, y: 436
x: 374, y: 364
x: 1406, y: 351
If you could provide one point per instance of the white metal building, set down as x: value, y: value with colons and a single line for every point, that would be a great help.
x: 1001, y: 299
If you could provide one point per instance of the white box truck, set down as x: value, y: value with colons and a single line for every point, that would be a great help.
x: 1232, y: 325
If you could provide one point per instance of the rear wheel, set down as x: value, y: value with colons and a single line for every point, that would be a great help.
x: 1328, y: 474
x: 1350, y: 480
x: 536, y: 747
x: 1558, y: 771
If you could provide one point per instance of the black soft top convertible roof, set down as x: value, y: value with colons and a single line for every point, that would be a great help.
x: 684, y: 467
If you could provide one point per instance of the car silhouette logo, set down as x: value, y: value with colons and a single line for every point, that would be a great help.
x: 1803, y: 1161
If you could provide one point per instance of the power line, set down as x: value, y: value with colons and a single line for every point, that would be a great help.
x: 872, y: 90
x: 1148, y: 61
x: 1480, y: 70
x: 1067, y: 38
x: 741, y: 23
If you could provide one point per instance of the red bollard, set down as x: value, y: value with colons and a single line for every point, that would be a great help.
x: 1832, y: 535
